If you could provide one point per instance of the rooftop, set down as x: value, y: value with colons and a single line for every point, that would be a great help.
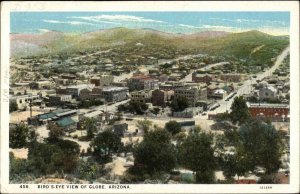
x: 265, y: 105
x: 113, y: 88
x: 80, y: 86
x: 65, y: 122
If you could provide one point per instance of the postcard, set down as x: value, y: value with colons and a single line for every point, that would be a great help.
x: 150, y: 97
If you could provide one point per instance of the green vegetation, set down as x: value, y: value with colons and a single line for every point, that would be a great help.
x: 173, y: 127
x: 197, y: 154
x: 60, y: 156
x: 89, y: 103
x: 144, y: 125
x: 55, y: 132
x: 13, y: 106
x: 105, y: 144
x: 259, y: 145
x: 155, y: 153
x: 21, y: 136
x: 90, y: 125
x: 239, y: 110
x: 134, y: 107
x: 179, y: 104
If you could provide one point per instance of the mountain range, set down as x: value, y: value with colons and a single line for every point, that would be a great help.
x: 211, y: 42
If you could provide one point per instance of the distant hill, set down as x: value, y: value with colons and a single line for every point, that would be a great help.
x: 211, y: 42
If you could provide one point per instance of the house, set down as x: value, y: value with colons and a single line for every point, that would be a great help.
x: 23, y: 100
x: 114, y: 94
x: 38, y: 85
x: 120, y: 129
x: 59, y: 99
x: 67, y: 124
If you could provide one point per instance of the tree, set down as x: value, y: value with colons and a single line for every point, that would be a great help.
x: 18, y: 135
x: 173, y: 127
x: 155, y: 110
x: 18, y: 168
x: 13, y: 106
x: 106, y: 143
x: 58, y: 156
x: 197, y: 154
x: 260, y: 145
x: 155, y: 153
x: 90, y: 125
x: 55, y: 132
x: 137, y: 107
x: 239, y: 110
x: 144, y: 125
x: 179, y: 104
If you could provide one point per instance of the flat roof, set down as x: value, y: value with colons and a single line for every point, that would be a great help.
x: 113, y: 88
x: 265, y: 105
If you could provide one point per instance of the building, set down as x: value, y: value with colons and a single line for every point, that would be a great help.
x: 201, y: 78
x: 274, y: 112
x: 102, y: 80
x: 143, y: 96
x: 23, y: 100
x: 232, y: 77
x: 120, y: 129
x: 160, y: 97
x: 75, y: 89
x: 219, y: 94
x: 38, y: 85
x: 268, y: 92
x: 114, y: 94
x: 67, y: 124
x: 51, y: 116
x: 85, y: 94
x: 59, y: 99
x: 142, y: 82
x: 192, y: 93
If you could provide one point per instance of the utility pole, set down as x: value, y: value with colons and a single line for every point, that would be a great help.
x: 30, y: 106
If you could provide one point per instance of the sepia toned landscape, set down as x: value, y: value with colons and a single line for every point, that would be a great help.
x: 143, y: 98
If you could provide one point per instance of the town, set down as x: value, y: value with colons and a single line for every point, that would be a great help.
x: 120, y: 116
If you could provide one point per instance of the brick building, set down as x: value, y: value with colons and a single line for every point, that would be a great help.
x: 142, y: 82
x: 102, y: 80
x: 275, y: 112
x: 201, y: 78
x: 160, y: 97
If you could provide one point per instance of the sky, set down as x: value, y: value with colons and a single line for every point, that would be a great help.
x: 275, y: 23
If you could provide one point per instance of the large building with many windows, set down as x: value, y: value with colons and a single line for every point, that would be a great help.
x: 114, y: 94
x: 192, y: 94
x: 142, y: 82
x: 278, y: 112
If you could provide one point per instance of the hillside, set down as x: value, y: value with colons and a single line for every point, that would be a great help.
x: 239, y: 45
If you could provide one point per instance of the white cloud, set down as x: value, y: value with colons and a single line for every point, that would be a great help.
x: 240, y: 20
x: 117, y: 18
x: 217, y: 27
x: 68, y: 22
x: 42, y: 30
x: 189, y: 26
